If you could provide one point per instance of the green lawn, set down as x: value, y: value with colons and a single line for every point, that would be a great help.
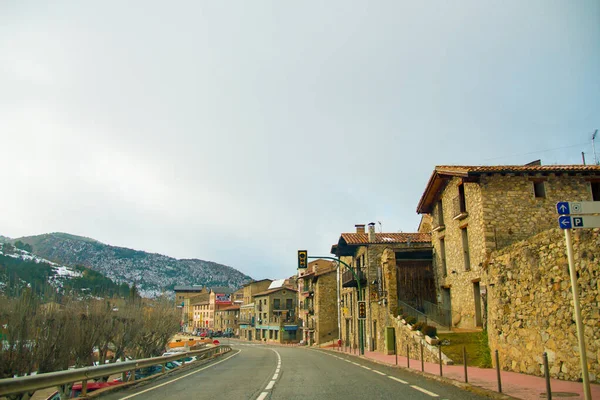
x: 476, y: 343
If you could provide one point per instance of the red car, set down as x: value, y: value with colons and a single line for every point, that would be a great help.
x: 76, y: 389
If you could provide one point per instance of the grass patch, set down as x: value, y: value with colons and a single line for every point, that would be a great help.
x: 478, y: 350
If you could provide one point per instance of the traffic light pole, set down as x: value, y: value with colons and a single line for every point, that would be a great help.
x: 361, y: 345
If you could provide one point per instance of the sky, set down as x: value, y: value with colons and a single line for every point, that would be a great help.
x: 240, y: 132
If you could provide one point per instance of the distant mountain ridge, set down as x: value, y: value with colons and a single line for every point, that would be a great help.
x: 151, y: 273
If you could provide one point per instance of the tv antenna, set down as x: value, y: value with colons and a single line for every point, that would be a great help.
x: 594, y: 147
x: 380, y: 227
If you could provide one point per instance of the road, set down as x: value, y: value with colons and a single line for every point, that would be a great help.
x: 259, y: 372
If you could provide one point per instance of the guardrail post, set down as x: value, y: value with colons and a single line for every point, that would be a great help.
x: 84, y: 387
x: 498, y: 372
x: 422, y: 360
x: 465, y: 362
x: 547, y: 376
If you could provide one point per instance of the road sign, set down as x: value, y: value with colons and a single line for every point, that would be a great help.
x: 578, y: 207
x: 302, y: 259
x: 362, y: 310
x: 584, y: 221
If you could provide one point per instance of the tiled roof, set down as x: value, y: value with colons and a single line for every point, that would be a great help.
x: 266, y: 292
x: 229, y: 308
x: 221, y: 289
x: 383, y: 238
x: 184, y: 288
x: 442, y: 173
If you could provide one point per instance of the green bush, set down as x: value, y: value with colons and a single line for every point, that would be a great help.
x: 418, y: 326
x: 430, y: 331
x: 410, y: 319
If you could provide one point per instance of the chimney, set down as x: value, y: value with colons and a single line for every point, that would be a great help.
x: 360, y: 228
x: 372, y: 232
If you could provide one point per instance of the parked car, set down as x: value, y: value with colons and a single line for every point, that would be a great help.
x: 76, y: 389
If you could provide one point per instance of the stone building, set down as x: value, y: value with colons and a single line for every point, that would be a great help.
x: 477, y: 210
x: 276, y: 315
x: 247, y: 318
x: 390, y: 267
x: 317, y: 302
x: 227, y: 320
x: 183, y: 294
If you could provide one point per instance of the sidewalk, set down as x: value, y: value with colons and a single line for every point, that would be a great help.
x: 521, y: 386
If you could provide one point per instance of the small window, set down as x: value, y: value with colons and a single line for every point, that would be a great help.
x: 595, y: 191
x: 465, y: 243
x: 443, y: 256
x: 539, y: 189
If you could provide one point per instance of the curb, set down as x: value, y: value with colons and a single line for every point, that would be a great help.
x: 462, y: 385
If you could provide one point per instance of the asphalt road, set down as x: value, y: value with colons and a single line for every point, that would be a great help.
x: 253, y: 371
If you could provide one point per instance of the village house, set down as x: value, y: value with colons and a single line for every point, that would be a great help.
x: 227, y: 320
x: 390, y: 267
x: 317, y: 302
x: 247, y: 315
x: 500, y: 260
x: 183, y: 294
x: 479, y: 209
x: 276, y: 315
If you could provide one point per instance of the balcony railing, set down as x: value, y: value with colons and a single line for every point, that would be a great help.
x: 459, y: 208
x: 348, y: 279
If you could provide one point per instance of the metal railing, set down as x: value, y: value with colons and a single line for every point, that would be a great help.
x: 413, y: 312
x: 31, y: 383
x: 441, y: 315
x: 349, y: 280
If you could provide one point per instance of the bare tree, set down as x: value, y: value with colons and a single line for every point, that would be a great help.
x: 16, y: 350
x: 161, y: 322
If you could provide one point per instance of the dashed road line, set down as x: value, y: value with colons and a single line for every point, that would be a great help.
x: 420, y: 389
x: 262, y: 396
x: 365, y: 367
x: 398, y: 379
x: 379, y: 372
x: 355, y: 363
x: 270, y: 385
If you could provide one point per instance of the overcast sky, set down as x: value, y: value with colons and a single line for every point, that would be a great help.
x: 242, y: 131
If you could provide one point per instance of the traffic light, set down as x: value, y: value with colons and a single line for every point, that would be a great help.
x: 302, y: 259
x: 362, y: 310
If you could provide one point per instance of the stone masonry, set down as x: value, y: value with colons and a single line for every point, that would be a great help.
x: 531, y: 305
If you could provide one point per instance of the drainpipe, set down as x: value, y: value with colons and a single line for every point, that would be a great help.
x: 338, y: 272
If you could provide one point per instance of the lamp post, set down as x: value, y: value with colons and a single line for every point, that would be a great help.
x: 360, y: 322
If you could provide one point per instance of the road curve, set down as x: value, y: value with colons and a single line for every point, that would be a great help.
x: 258, y: 372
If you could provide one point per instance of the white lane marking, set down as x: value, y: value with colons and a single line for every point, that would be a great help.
x: 181, y: 377
x: 262, y: 396
x: 378, y: 372
x: 348, y: 361
x: 398, y: 380
x: 365, y: 367
x: 275, y: 377
x: 270, y: 385
x: 355, y: 363
x: 277, y: 370
x: 420, y: 389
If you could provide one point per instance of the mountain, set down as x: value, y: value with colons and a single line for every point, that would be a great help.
x: 19, y: 269
x: 151, y: 273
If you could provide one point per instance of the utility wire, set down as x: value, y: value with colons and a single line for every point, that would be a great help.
x: 538, y: 151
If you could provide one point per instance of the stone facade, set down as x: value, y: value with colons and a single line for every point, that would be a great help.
x: 276, y: 316
x: 531, y: 309
x: 317, y: 302
x: 247, y: 314
x: 227, y: 320
x: 376, y: 260
x: 498, y: 209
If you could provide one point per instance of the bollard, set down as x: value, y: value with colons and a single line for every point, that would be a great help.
x: 465, y: 363
x: 440, y: 357
x: 408, y: 355
x: 396, y: 350
x: 422, y: 361
x: 547, y: 376
x: 498, y: 372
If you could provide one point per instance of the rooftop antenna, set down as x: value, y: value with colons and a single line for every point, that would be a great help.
x: 380, y: 227
x: 594, y: 147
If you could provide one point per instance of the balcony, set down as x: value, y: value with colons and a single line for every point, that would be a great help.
x: 348, y: 279
x: 438, y: 220
x: 459, y: 208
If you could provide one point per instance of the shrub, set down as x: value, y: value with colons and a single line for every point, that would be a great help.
x: 400, y: 311
x: 410, y: 319
x: 418, y: 326
x: 430, y: 331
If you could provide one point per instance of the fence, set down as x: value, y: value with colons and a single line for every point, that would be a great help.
x: 31, y: 383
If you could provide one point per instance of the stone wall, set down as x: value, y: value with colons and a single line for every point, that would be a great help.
x: 326, y: 312
x: 531, y: 305
x: 409, y: 339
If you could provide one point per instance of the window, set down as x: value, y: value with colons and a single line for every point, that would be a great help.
x: 443, y: 256
x: 289, y: 304
x: 465, y: 243
x: 595, y: 191
x: 462, y: 199
x: 539, y: 190
x: 439, y: 213
x: 277, y: 304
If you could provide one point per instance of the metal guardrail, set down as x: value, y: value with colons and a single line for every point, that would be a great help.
x: 441, y: 315
x: 31, y: 383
